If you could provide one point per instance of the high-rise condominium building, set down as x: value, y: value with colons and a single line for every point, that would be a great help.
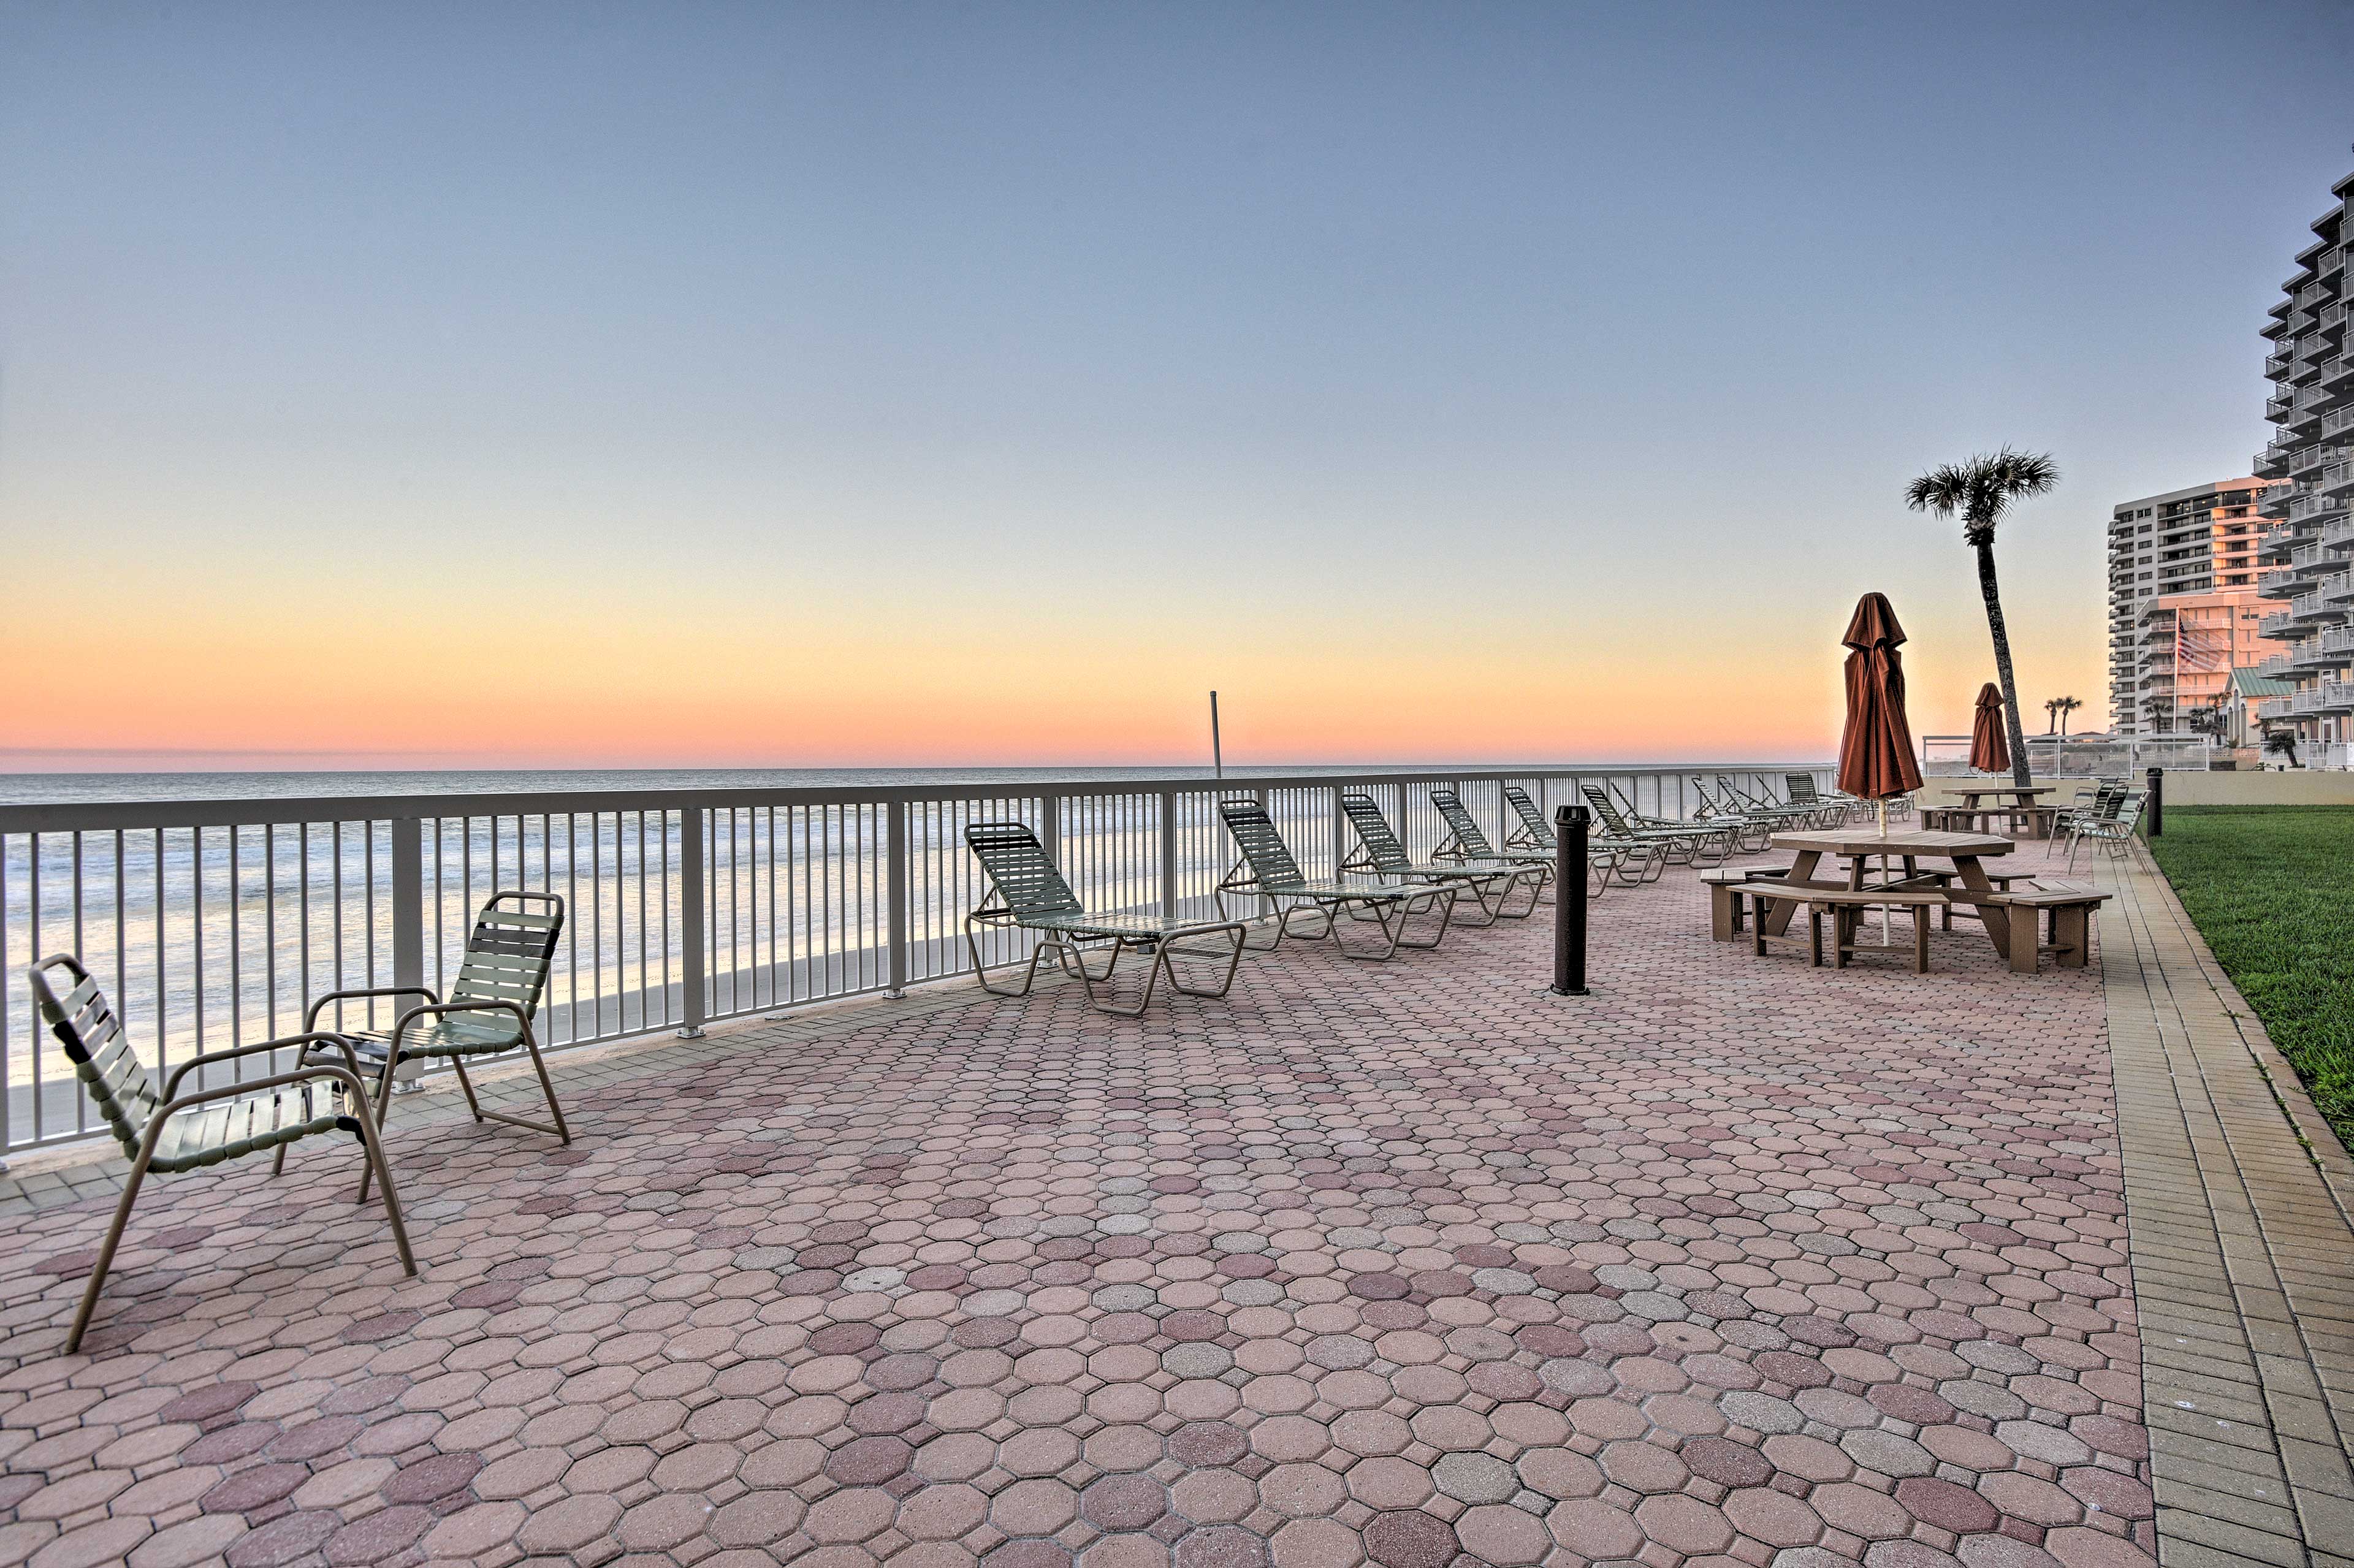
x: 2307, y: 556
x: 2183, y: 606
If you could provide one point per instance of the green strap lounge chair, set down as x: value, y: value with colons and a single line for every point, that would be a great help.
x: 1830, y: 806
x: 1787, y: 815
x: 489, y: 1013
x: 1379, y: 853
x: 1467, y: 843
x: 1267, y: 870
x: 1026, y: 891
x: 1694, y: 843
x: 1609, y: 859
x: 168, y: 1130
x: 1751, y: 829
x: 1713, y: 838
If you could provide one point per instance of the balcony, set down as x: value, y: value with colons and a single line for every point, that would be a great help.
x: 2275, y: 584
x: 2334, y: 648
x: 2280, y: 625
x: 2276, y: 668
x: 2329, y: 697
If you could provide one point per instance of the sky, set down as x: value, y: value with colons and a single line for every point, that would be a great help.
x: 765, y: 385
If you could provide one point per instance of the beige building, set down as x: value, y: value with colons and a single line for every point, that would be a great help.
x: 2184, y: 610
x: 2307, y: 558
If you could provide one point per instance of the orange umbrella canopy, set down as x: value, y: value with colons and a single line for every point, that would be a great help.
x: 1989, y: 752
x: 1876, y: 748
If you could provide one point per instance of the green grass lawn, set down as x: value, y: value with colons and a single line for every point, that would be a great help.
x: 2271, y: 889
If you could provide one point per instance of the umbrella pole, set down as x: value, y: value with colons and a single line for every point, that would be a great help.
x: 1882, y: 804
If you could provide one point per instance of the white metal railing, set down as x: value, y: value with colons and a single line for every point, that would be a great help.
x: 213, y: 923
x: 2054, y: 756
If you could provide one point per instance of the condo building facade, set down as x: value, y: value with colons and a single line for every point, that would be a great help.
x: 2308, y: 553
x: 2185, y: 610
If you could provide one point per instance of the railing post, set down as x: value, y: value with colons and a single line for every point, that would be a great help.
x: 1050, y: 826
x: 690, y: 936
x: 408, y: 901
x: 894, y: 862
x: 1340, y: 832
x: 1169, y: 853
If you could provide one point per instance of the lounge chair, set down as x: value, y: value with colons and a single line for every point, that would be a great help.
x: 1380, y: 854
x: 1466, y: 843
x: 1267, y: 870
x: 1751, y: 830
x: 489, y: 1013
x: 1026, y: 892
x: 1786, y: 814
x: 1695, y: 843
x: 170, y: 1131
x: 1628, y: 862
x: 1832, y: 807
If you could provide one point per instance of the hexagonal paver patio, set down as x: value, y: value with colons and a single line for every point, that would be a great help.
x: 1734, y: 1262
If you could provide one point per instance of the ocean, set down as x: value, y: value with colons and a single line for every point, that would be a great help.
x: 27, y: 789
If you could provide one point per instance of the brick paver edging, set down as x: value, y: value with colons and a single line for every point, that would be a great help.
x: 2242, y: 1250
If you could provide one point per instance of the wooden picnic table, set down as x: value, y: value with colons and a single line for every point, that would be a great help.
x: 2024, y: 794
x: 2015, y: 805
x: 1862, y: 846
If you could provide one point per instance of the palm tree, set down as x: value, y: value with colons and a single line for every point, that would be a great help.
x: 2051, y: 711
x: 2067, y: 706
x: 1980, y: 490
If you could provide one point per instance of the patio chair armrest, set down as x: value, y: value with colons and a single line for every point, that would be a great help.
x: 311, y: 1019
x: 343, y: 1075
x: 172, y: 1083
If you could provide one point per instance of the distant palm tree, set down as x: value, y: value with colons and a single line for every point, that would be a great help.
x: 1980, y: 490
x: 2051, y: 709
x: 2067, y: 706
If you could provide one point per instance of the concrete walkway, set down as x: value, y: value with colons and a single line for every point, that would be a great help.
x: 2237, y: 1204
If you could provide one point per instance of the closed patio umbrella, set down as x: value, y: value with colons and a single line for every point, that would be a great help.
x: 1876, y: 748
x: 1989, y: 752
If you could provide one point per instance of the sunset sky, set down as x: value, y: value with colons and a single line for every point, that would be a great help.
x: 837, y: 385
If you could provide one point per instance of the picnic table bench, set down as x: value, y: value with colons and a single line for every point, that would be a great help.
x: 1845, y: 906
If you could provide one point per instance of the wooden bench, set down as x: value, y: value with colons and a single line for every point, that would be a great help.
x: 2069, y: 911
x: 1725, y: 916
x: 1846, y: 907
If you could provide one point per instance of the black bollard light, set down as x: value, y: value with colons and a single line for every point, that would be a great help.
x: 2157, y: 812
x: 1569, y: 828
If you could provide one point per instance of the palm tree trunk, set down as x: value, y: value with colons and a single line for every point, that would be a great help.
x: 1993, y: 596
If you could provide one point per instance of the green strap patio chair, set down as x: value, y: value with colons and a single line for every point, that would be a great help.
x: 1609, y: 859
x: 500, y: 981
x: 1026, y: 892
x: 1692, y: 843
x: 2099, y: 805
x: 1466, y: 843
x: 2113, y: 831
x: 1379, y: 853
x: 166, y: 1131
x: 1267, y: 870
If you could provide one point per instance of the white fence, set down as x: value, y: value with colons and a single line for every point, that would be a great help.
x: 212, y: 922
x: 1948, y: 757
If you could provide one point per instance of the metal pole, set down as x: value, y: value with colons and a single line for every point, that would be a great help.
x: 1569, y: 827
x: 2156, y: 814
x: 1217, y: 755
